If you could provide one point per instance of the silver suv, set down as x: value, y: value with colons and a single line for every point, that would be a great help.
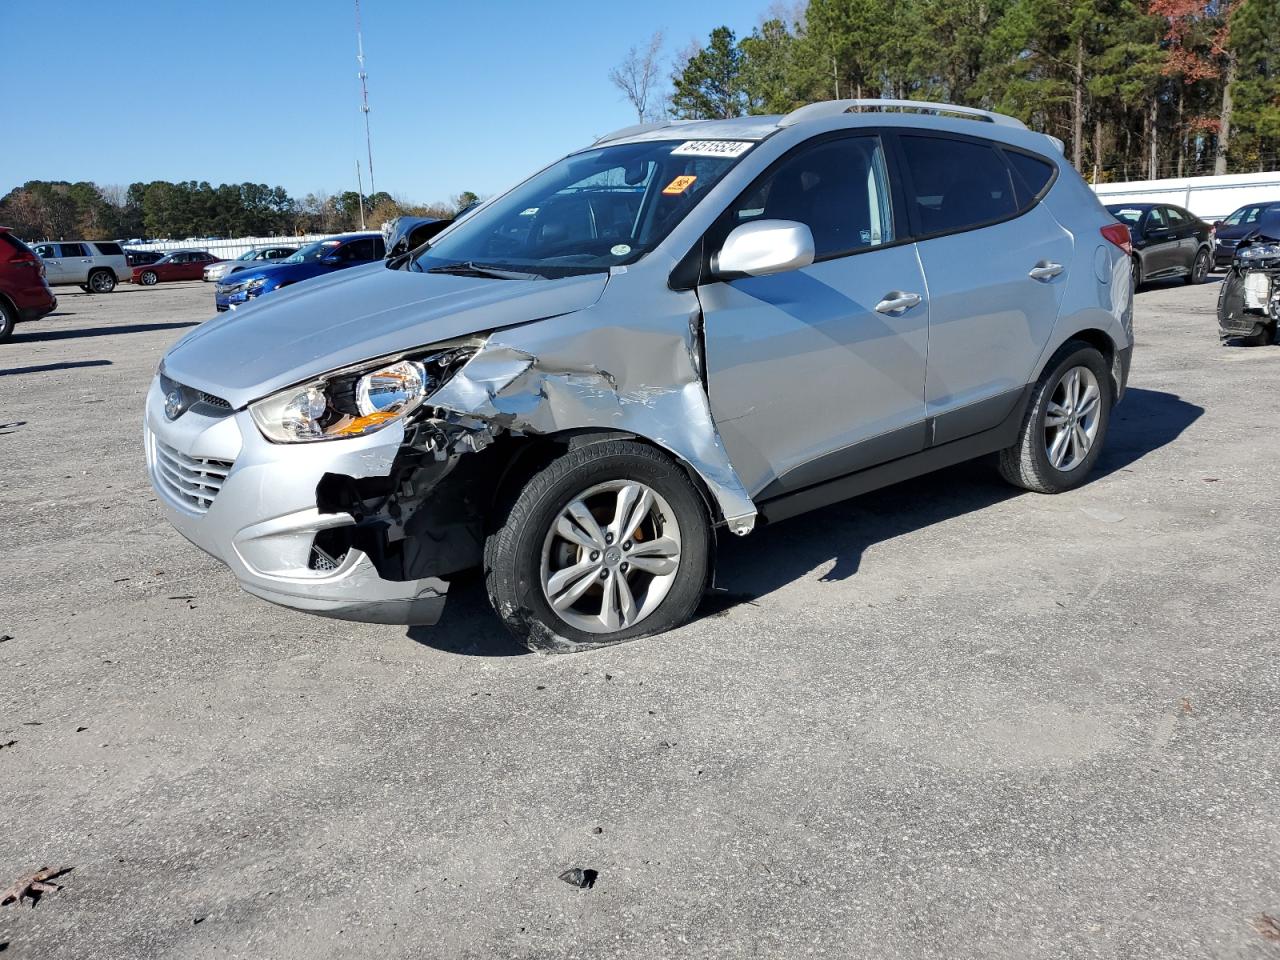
x: 684, y: 328
x: 95, y: 266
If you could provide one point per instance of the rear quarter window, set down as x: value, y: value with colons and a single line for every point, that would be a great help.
x: 109, y: 249
x: 1031, y: 176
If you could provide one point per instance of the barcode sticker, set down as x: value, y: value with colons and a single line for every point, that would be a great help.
x: 712, y: 148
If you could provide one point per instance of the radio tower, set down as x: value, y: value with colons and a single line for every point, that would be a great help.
x: 364, y: 96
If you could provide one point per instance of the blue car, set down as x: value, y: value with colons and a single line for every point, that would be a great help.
x: 313, y: 260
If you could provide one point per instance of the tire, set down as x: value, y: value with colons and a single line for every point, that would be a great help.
x: 149, y: 278
x: 102, y: 281
x: 1199, y: 268
x: 1028, y: 463
x: 8, y: 319
x: 1265, y: 334
x: 526, y: 554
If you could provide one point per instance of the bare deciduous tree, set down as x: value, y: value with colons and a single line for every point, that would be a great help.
x: 637, y: 77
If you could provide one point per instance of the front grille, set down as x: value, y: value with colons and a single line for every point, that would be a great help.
x: 194, y: 481
x: 213, y: 401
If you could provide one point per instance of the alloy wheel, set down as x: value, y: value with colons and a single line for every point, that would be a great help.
x: 149, y: 278
x: 1071, y: 418
x: 611, y: 557
x: 101, y: 283
x: 1201, y: 267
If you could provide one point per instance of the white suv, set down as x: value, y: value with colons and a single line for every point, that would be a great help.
x: 95, y: 266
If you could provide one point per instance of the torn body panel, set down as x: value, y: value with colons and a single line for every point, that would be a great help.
x: 639, y: 374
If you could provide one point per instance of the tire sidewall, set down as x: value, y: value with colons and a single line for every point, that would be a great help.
x: 8, y: 320
x: 695, y: 544
x: 1079, y: 356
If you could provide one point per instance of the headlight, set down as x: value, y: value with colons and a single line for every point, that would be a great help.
x: 255, y: 285
x: 353, y: 402
x: 1260, y: 250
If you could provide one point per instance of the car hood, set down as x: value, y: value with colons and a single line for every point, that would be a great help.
x: 1234, y: 231
x: 355, y: 315
x: 281, y: 271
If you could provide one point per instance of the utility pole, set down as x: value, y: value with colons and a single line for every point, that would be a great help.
x: 364, y: 96
x: 360, y: 192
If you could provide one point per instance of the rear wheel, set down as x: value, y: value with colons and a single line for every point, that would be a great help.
x: 1065, y: 424
x: 149, y: 278
x: 8, y: 318
x: 609, y: 542
x: 1200, y: 268
x: 102, y: 281
x: 1135, y: 277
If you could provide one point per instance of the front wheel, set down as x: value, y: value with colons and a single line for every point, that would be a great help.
x: 607, y: 543
x: 1262, y: 335
x: 149, y: 278
x: 1065, y: 424
x: 1199, y: 269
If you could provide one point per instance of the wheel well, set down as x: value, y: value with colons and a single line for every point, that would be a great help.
x: 1106, y: 346
x: 530, y: 454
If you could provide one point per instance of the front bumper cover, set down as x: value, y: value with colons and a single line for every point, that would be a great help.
x: 263, y: 521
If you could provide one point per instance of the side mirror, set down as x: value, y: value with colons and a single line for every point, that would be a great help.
x: 764, y: 247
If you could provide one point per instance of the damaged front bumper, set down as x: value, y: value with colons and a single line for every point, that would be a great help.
x: 252, y: 504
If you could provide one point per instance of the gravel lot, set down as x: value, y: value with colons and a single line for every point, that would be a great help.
x: 945, y: 720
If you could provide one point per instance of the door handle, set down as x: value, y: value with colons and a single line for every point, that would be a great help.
x: 897, y: 302
x: 1045, y: 270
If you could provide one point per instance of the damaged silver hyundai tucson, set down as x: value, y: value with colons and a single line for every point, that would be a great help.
x: 682, y: 329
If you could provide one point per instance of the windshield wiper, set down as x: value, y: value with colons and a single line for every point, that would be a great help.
x: 468, y: 268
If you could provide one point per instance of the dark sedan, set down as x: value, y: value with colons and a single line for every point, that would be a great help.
x: 1229, y: 232
x: 1168, y: 241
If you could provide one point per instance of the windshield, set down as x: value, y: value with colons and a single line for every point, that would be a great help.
x: 590, y: 211
x: 249, y: 255
x: 312, y: 251
x: 1127, y: 215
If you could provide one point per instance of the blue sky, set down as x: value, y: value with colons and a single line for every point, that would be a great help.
x: 464, y: 96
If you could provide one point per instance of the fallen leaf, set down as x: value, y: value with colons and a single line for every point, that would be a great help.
x: 1268, y: 926
x: 35, y: 886
x: 1186, y: 706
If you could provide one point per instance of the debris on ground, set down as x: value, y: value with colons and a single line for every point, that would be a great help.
x: 1186, y: 706
x: 597, y: 829
x: 4, y: 637
x: 578, y: 877
x: 1103, y: 516
x: 35, y: 886
x: 9, y: 744
x: 1268, y: 926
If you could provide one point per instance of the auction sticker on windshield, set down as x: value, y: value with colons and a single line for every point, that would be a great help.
x: 712, y: 148
x: 679, y: 185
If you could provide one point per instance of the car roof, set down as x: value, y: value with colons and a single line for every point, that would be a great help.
x: 845, y: 113
x: 1145, y: 205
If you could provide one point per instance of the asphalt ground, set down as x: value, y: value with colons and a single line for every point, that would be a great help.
x: 948, y: 719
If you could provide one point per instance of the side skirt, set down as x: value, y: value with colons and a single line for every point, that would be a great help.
x: 1004, y: 434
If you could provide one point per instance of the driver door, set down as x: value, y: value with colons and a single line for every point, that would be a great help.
x: 812, y: 373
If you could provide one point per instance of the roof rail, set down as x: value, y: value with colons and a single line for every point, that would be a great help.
x: 831, y: 108
x: 638, y: 128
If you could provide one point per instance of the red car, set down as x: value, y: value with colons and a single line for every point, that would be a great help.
x: 179, y: 265
x: 24, y: 295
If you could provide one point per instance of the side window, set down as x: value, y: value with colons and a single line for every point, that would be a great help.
x: 1177, y: 219
x: 956, y: 184
x: 1030, y: 175
x: 46, y: 251
x: 109, y: 249
x: 1155, y: 220
x: 358, y: 250
x: 73, y: 250
x: 838, y: 188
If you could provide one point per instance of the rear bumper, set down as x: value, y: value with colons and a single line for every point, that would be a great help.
x: 34, y: 311
x: 263, y: 520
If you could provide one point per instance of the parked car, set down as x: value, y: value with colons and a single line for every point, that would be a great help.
x: 24, y: 292
x: 682, y: 328
x: 1249, y: 299
x: 1251, y: 218
x: 95, y: 266
x: 179, y: 265
x: 250, y: 258
x: 1168, y: 241
x: 313, y: 260
x: 140, y: 258
x: 407, y: 233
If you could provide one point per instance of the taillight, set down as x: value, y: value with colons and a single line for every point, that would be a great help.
x: 1118, y: 234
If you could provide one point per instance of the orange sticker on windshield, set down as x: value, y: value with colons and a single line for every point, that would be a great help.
x: 678, y: 186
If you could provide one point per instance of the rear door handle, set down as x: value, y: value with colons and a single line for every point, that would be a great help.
x: 897, y: 302
x: 1045, y: 270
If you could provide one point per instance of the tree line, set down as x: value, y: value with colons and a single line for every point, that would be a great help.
x: 1136, y: 89
x: 55, y: 210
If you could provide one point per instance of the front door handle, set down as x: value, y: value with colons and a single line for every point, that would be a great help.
x: 898, y: 302
x: 1045, y: 270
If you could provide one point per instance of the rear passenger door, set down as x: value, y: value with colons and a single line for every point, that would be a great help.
x: 815, y: 373
x: 76, y: 262
x: 1183, y: 226
x: 995, y: 261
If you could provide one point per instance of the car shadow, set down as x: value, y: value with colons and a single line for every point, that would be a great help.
x: 49, y: 367
x: 751, y: 567
x: 97, y: 331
